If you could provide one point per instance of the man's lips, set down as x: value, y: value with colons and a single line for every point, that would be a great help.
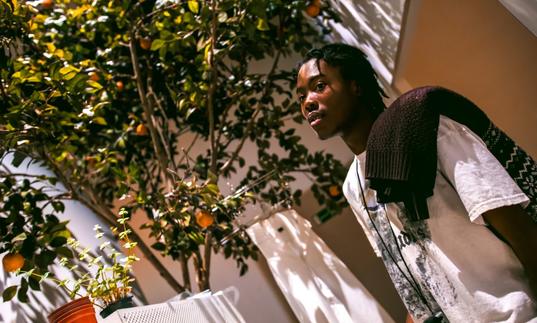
x: 314, y: 118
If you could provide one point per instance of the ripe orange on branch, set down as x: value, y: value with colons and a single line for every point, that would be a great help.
x: 12, y: 262
x: 334, y: 191
x: 47, y: 4
x: 120, y: 86
x: 141, y: 130
x: 314, y: 9
x: 145, y: 43
x: 204, y: 218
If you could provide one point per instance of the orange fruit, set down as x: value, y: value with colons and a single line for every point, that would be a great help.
x: 141, y: 130
x: 94, y: 76
x: 47, y: 4
x: 313, y: 10
x: 145, y: 43
x: 120, y: 86
x: 204, y: 218
x: 334, y: 191
x: 12, y: 262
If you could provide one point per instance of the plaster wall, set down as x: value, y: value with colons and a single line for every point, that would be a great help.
x: 479, y: 49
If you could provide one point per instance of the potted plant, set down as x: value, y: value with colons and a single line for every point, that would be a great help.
x: 102, y: 280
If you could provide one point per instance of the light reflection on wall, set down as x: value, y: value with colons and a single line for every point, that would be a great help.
x: 374, y: 27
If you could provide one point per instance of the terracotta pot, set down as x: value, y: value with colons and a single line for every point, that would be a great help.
x: 78, y: 311
x: 125, y: 302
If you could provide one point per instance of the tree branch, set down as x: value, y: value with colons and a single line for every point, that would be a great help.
x: 185, y: 152
x: 186, y: 273
x: 161, y: 157
x: 212, y: 90
x: 207, y: 260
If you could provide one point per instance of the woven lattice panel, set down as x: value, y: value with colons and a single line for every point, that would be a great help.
x: 208, y: 309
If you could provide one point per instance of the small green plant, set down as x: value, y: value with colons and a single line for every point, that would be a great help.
x: 105, y: 278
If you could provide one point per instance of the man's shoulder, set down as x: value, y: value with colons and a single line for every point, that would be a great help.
x: 421, y: 95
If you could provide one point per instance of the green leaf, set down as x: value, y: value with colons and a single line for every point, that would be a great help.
x: 9, y: 293
x: 65, y: 252
x: 58, y: 206
x: 45, y: 258
x: 58, y: 242
x: 158, y: 246
x: 22, y: 295
x: 18, y: 158
x: 193, y: 6
x: 157, y: 44
x: 33, y: 282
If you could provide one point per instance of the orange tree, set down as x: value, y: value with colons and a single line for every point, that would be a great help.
x: 105, y: 94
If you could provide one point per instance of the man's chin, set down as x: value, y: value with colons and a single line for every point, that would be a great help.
x: 323, y: 135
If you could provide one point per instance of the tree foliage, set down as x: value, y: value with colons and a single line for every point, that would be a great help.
x: 106, y: 94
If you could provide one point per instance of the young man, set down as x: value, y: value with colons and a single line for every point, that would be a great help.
x: 468, y: 252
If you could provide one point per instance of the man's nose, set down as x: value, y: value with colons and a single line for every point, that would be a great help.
x: 310, y: 105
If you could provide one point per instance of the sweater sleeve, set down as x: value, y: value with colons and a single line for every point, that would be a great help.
x: 480, y: 180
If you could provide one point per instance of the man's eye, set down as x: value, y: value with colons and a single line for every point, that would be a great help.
x: 320, y: 86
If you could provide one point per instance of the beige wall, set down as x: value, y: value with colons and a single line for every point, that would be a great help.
x: 480, y: 50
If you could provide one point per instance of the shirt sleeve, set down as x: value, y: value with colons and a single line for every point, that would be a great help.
x: 481, y: 182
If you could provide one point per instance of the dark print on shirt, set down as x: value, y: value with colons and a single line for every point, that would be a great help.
x: 397, y: 269
x: 424, y: 278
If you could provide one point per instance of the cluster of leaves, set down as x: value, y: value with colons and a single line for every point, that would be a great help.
x: 106, y: 95
x: 30, y: 227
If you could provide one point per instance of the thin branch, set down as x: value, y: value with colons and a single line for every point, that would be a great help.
x: 212, y: 90
x: 185, y: 152
x: 151, y: 14
x: 161, y: 157
x: 161, y: 134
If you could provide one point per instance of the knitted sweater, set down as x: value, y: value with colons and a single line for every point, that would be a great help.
x: 401, y: 148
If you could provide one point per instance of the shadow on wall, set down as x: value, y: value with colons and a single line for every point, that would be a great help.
x: 374, y: 27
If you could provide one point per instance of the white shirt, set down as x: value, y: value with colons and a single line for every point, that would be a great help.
x: 458, y: 262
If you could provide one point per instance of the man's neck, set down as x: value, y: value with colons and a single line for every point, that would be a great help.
x: 356, y: 136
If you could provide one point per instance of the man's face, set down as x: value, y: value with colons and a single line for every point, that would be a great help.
x: 326, y: 100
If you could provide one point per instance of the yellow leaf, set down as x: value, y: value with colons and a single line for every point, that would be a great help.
x: 100, y: 120
x: 59, y: 52
x: 51, y: 48
x: 193, y: 6
x: 262, y: 24
x: 94, y: 84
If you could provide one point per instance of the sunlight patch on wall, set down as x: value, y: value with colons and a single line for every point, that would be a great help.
x: 374, y: 27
